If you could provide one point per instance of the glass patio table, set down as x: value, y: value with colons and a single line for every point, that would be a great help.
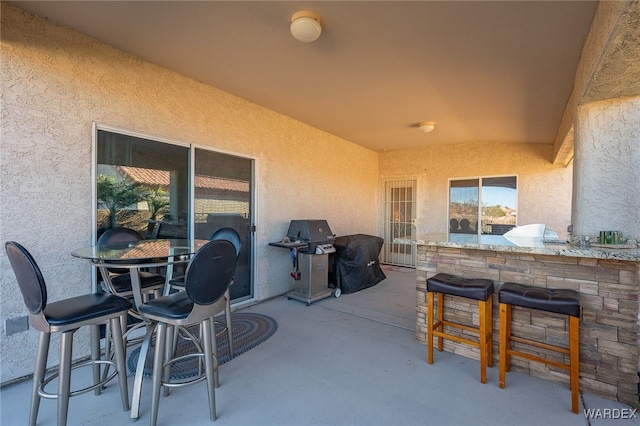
x: 136, y: 256
x: 140, y: 255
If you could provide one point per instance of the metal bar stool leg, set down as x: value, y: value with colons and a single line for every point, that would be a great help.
x: 170, y: 348
x: 95, y: 354
x: 214, y: 349
x: 229, y: 327
x: 158, y: 360
x: 107, y: 350
x: 137, y: 383
x: 64, y: 379
x: 173, y: 336
x: 214, y: 352
x: 38, y: 375
x: 118, y: 348
x: 210, y: 363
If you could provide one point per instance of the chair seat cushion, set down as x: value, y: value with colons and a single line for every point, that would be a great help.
x: 177, y: 281
x: 83, y: 308
x: 175, y: 306
x: 122, y: 283
x: 472, y: 288
x: 560, y: 301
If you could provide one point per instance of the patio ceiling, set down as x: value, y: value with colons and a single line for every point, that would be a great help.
x: 482, y: 71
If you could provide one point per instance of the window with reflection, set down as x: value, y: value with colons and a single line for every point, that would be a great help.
x: 482, y: 206
x: 464, y: 196
x: 142, y: 184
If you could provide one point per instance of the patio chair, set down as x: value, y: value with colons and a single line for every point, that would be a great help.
x: 231, y: 235
x: 207, y: 280
x: 66, y: 317
x: 118, y: 280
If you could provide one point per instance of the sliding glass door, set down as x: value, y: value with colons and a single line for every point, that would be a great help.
x: 222, y: 199
x: 165, y: 189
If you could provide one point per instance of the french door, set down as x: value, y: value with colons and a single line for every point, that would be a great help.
x: 399, y: 213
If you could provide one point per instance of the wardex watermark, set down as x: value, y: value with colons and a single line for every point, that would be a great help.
x: 610, y: 413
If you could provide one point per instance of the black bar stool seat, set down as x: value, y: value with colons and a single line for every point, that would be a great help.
x: 557, y: 301
x: 471, y: 288
x: 479, y: 289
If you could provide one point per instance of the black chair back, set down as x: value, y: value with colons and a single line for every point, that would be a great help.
x: 210, y: 272
x: 119, y: 235
x: 30, y: 280
x: 230, y: 235
x: 116, y: 236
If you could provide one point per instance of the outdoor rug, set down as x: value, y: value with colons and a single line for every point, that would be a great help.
x: 249, y: 330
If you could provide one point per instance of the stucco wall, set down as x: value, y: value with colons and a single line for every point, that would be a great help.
x: 544, y: 190
x: 607, y: 168
x: 56, y: 82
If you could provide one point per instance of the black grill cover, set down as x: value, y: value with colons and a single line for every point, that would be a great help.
x: 355, y: 265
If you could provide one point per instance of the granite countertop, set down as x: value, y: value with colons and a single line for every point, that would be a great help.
x: 502, y: 244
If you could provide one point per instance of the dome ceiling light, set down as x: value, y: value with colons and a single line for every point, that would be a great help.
x: 306, y: 26
x: 427, y: 126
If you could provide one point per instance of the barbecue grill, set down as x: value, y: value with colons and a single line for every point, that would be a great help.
x: 310, y: 242
x: 315, y: 233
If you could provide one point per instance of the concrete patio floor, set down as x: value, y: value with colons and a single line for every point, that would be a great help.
x: 352, y: 360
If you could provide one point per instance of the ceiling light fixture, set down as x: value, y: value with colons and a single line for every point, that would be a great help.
x: 305, y: 26
x: 427, y: 126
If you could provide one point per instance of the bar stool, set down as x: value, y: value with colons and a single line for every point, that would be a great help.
x: 207, y: 280
x: 559, y: 301
x: 66, y: 317
x: 471, y: 288
x: 232, y: 236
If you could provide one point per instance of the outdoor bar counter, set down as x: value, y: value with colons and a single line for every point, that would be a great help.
x: 607, y: 279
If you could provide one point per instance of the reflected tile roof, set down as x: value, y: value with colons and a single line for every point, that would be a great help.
x: 161, y: 178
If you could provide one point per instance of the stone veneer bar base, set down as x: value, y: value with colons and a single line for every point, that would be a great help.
x: 609, y: 352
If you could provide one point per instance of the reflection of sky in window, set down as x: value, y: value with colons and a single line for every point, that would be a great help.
x: 496, y: 195
x: 463, y: 195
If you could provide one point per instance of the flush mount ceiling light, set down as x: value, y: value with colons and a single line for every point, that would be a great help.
x: 305, y: 26
x: 427, y: 126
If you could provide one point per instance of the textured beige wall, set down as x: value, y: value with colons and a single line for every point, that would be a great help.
x: 56, y: 82
x: 607, y: 168
x: 599, y: 72
x: 544, y: 190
